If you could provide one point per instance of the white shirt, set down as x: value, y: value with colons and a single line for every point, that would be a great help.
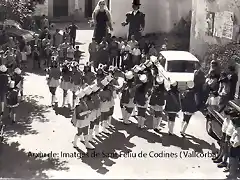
x: 235, y: 139
x: 132, y: 44
x: 225, y: 125
x: 136, y: 52
x: 230, y: 129
x: 135, y: 12
x: 126, y: 48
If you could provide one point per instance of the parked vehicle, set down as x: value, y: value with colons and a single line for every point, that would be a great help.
x: 14, y: 29
x: 215, y: 119
x: 178, y: 66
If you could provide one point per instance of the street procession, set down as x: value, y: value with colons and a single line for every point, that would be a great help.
x: 129, y: 84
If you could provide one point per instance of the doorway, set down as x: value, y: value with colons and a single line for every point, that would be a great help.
x: 60, y: 8
x: 88, y: 8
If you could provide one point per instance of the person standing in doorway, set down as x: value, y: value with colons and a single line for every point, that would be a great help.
x: 102, y: 21
x: 72, y: 33
x: 136, y: 21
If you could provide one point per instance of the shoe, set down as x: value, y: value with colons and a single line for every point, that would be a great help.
x: 226, y: 170
x: 183, y: 134
x: 215, y: 157
x: 157, y: 130
x: 222, y: 164
x: 127, y: 122
x: 170, y: 134
x: 217, y: 161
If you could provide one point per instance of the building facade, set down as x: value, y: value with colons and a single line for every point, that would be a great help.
x: 161, y: 15
x: 214, y: 22
x: 80, y: 9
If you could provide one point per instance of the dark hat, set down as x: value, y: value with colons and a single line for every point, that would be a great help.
x: 136, y: 2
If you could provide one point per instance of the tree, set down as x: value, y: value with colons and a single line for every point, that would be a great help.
x: 18, y: 10
x: 226, y: 55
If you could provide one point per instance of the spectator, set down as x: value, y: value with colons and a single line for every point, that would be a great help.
x: 233, y: 79
x: 72, y: 32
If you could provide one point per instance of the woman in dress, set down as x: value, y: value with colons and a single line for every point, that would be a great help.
x: 102, y: 20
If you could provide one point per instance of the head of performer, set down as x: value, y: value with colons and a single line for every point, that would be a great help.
x: 111, y: 69
x: 160, y: 82
x: 190, y: 85
x: 136, y: 5
x: 129, y: 76
x: 3, y: 69
x: 143, y: 78
x: 173, y: 86
x: 17, y: 71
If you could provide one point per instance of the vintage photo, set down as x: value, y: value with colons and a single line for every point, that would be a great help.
x: 119, y: 89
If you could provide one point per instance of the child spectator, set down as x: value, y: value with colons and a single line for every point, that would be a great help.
x: 18, y: 57
x: 114, y: 52
x: 24, y: 57
x: 132, y: 43
x: 70, y: 53
x: 12, y: 101
x: 57, y: 38
x: 153, y: 51
x: 77, y: 54
x: 136, y: 55
x: 36, y: 58
x: 234, y: 149
x: 103, y: 52
x: 92, y: 49
x: 4, y: 80
x: 28, y: 50
x: 18, y: 78
x: 47, y: 55
x: 125, y: 54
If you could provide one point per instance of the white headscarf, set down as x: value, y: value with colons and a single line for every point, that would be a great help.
x: 97, y: 8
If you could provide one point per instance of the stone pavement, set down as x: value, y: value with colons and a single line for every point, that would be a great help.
x: 40, y: 129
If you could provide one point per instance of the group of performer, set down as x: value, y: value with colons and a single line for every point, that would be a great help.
x: 11, y: 88
x: 95, y: 90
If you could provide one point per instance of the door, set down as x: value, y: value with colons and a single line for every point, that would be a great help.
x: 88, y: 8
x: 60, y: 8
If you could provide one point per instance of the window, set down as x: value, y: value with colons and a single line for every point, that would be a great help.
x: 181, y: 66
x: 162, y: 60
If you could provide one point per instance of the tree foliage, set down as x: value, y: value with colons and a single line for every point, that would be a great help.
x: 225, y: 55
x: 18, y: 10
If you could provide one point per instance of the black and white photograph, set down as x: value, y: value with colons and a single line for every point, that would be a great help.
x: 119, y: 89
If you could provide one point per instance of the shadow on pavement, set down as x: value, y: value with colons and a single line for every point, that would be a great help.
x: 28, y: 111
x: 106, y: 148
x: 16, y: 163
x: 64, y: 111
x: 109, y: 147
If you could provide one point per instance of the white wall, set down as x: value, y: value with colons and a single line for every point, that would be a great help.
x: 160, y: 14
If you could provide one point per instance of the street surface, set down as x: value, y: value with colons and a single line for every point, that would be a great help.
x: 41, y: 130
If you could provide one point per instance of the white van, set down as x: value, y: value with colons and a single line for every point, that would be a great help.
x: 177, y: 66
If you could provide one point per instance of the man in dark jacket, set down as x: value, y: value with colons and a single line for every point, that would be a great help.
x: 136, y: 21
x: 233, y: 79
x: 199, y: 81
